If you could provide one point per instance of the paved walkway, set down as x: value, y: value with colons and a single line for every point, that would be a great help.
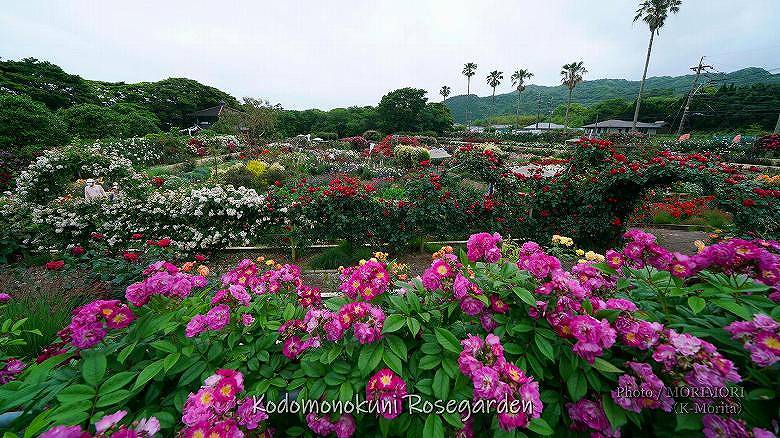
x: 678, y: 240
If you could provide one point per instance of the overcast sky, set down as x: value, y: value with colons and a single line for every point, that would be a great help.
x: 337, y: 53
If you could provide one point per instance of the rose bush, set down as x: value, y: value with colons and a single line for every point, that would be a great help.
x: 607, y: 348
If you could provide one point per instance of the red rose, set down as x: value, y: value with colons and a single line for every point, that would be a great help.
x: 748, y: 202
x: 162, y: 243
x: 130, y: 256
x: 98, y: 236
x: 137, y: 236
x: 77, y: 250
x: 200, y: 257
x: 55, y: 265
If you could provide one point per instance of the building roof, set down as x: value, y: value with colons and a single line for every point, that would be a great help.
x: 544, y: 125
x: 500, y: 126
x: 613, y: 123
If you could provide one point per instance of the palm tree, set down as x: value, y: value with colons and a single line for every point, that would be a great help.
x: 518, y: 81
x: 494, y: 80
x: 445, y: 91
x: 571, y: 75
x: 469, y: 70
x: 654, y: 13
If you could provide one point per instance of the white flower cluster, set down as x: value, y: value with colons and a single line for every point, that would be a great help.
x: 139, y: 150
x: 206, y: 217
x: 56, y: 166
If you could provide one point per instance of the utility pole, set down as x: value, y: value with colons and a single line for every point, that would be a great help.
x: 698, y: 69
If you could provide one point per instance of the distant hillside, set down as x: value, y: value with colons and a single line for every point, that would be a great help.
x: 591, y: 92
x: 172, y: 100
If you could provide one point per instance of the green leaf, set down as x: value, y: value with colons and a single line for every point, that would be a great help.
x: 393, y: 323
x: 345, y: 391
x: 429, y: 362
x: 149, y: 373
x: 170, y: 360
x: 696, y: 304
x: 414, y: 325
x: 93, y: 367
x: 615, y: 414
x: 577, y: 386
x: 397, y: 345
x: 112, y: 398
x: 688, y: 422
x: 433, y: 427
x: 447, y: 340
x: 75, y: 393
x: 540, y: 426
x: 116, y: 381
x: 393, y: 361
x: 524, y: 295
x: 607, y: 367
x: 544, y: 346
x: 734, y: 308
x: 122, y: 356
x: 441, y: 384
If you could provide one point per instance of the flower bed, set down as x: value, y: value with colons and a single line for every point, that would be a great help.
x: 607, y: 348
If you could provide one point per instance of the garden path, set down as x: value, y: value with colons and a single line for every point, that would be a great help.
x: 678, y: 240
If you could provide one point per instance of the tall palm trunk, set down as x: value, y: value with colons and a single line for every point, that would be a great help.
x: 494, y: 100
x: 642, y: 84
x: 566, y: 117
x: 517, y: 113
x: 468, y: 97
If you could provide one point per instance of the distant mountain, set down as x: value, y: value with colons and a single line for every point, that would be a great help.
x: 594, y: 91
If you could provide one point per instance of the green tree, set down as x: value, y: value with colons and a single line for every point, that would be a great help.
x: 494, y: 80
x: 402, y: 109
x: 518, y: 81
x: 45, y: 82
x: 27, y: 124
x: 469, y: 70
x: 571, y: 75
x: 445, y: 91
x: 654, y: 13
x: 90, y: 121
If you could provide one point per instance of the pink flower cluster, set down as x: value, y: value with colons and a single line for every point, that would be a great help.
x: 89, y: 322
x: 441, y: 273
x: 10, y: 370
x: 215, y: 409
x: 366, y: 281
x: 365, y: 319
x: 758, y: 258
x: 496, y: 379
x: 470, y: 298
x: 388, y: 389
x: 593, y: 336
x: 215, y: 319
x: 244, y: 274
x: 761, y: 337
x: 650, y: 392
x: 697, y: 360
x: 163, y: 278
x: 484, y: 246
x: 109, y: 427
x: 588, y: 414
x: 723, y: 427
x: 344, y: 427
x: 286, y: 277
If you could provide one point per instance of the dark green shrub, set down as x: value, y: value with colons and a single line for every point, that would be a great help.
x: 27, y: 123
